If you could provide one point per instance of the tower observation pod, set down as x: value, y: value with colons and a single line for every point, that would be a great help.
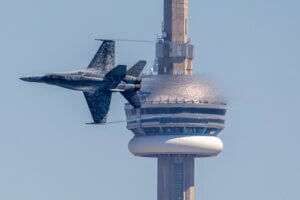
x: 181, y: 114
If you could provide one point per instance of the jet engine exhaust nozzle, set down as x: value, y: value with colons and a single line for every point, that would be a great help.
x: 138, y: 87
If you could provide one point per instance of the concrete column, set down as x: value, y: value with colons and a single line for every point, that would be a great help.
x: 175, y: 177
x: 176, y: 20
x: 174, y: 52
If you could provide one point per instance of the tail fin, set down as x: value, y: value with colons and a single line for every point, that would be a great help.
x: 116, y: 74
x: 136, y: 69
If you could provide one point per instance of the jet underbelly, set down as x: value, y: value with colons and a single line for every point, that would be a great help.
x: 84, y: 86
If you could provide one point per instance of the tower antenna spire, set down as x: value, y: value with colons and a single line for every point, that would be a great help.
x: 174, y: 51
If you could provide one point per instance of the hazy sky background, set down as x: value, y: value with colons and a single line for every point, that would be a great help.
x: 251, y: 48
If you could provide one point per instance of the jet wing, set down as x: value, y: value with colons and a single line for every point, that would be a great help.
x: 98, y: 103
x: 133, y: 98
x: 104, y: 60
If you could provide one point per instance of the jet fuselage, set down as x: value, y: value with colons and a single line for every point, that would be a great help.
x: 85, y: 81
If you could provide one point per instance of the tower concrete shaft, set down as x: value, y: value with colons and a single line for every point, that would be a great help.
x: 176, y: 20
x: 175, y: 177
x: 174, y: 53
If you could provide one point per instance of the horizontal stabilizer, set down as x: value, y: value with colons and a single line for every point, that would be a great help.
x: 133, y: 98
x: 136, y: 69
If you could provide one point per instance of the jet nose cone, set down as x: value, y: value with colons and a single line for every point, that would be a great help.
x: 31, y: 78
x: 25, y: 78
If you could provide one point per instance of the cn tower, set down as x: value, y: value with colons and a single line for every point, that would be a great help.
x: 181, y: 114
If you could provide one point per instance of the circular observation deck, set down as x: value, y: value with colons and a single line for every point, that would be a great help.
x: 196, y: 146
x: 177, y: 105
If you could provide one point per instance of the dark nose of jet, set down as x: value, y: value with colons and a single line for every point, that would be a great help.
x: 24, y: 78
x: 31, y: 78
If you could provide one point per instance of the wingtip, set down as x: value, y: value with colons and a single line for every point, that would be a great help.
x: 104, y: 40
x: 93, y: 123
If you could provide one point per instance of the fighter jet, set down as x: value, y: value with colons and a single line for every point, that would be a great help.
x: 99, y: 81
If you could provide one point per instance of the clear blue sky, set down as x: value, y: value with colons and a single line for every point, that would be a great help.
x: 250, y: 47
